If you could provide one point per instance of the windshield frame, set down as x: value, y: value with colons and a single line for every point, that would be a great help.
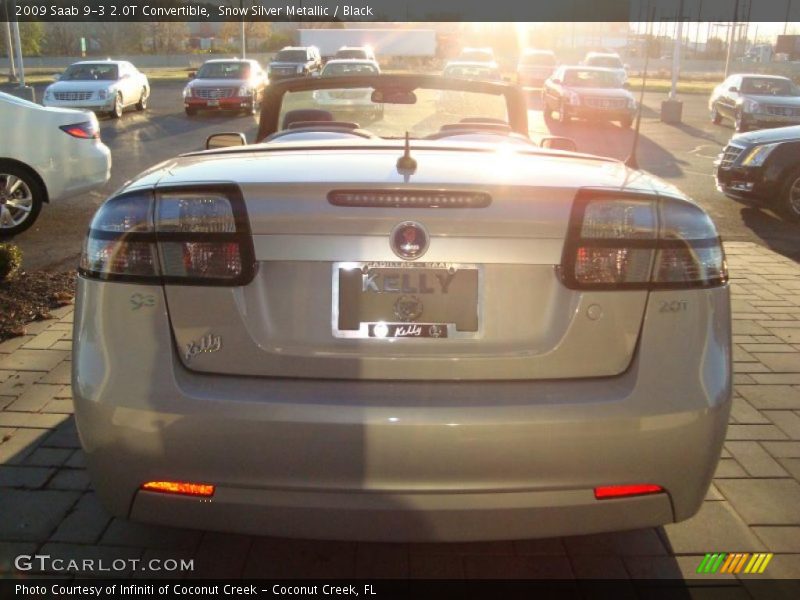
x: 516, y: 104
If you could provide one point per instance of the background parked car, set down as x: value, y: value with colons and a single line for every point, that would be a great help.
x: 607, y: 60
x: 483, y: 55
x: 106, y: 86
x: 535, y: 67
x: 350, y: 101
x: 763, y: 166
x: 756, y: 101
x: 356, y: 52
x: 232, y: 84
x: 48, y: 154
x: 295, y: 61
x: 588, y: 93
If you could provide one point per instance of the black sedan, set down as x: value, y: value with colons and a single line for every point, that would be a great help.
x: 756, y: 102
x: 763, y: 166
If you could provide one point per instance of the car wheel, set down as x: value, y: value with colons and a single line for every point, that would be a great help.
x: 21, y: 197
x: 142, y: 104
x: 116, y: 112
x: 190, y: 112
x: 563, y: 117
x: 716, y: 118
x: 739, y: 122
x: 790, y: 199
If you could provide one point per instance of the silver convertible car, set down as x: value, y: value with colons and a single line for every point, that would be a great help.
x: 427, y: 329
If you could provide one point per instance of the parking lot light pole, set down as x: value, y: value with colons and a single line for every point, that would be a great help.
x: 12, y: 69
x: 672, y: 108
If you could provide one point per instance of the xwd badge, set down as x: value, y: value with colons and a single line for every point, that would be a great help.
x: 409, y: 240
x: 206, y: 344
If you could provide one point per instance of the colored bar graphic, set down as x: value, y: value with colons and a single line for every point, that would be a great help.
x: 734, y: 563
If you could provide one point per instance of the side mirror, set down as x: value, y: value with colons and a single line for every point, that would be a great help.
x: 507, y: 78
x: 626, y: 66
x: 125, y: 76
x: 225, y: 140
x: 626, y: 85
x: 559, y: 143
x: 315, y: 73
x: 192, y: 74
x: 57, y: 77
x: 558, y: 81
x: 733, y: 89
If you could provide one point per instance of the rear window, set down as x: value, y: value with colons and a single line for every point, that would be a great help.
x: 291, y: 56
x: 609, y: 62
x: 539, y: 60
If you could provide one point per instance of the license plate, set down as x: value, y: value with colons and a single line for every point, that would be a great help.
x: 406, y: 300
x: 213, y: 103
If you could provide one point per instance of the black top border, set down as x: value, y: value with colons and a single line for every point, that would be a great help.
x: 382, y: 11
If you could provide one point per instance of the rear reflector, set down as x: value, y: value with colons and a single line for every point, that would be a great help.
x: 409, y: 199
x: 625, y: 491
x: 179, y: 487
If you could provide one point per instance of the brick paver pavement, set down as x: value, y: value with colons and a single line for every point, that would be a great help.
x: 47, y: 504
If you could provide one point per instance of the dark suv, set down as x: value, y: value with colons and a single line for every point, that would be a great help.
x: 295, y: 61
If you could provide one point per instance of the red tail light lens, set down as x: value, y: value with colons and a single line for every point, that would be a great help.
x: 178, y: 236
x: 641, y: 242
x: 626, y: 491
x: 87, y: 130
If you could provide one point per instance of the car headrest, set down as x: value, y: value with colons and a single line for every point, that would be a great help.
x: 323, y: 125
x: 305, y: 114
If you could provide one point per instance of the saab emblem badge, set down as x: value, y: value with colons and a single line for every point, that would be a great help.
x: 409, y: 240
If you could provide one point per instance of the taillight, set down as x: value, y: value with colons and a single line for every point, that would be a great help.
x: 197, y: 236
x: 88, y: 130
x: 635, y: 241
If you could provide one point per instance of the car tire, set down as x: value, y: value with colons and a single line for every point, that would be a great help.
x: 142, y: 104
x: 739, y: 123
x: 790, y: 197
x: 716, y: 117
x: 190, y: 112
x: 28, y: 197
x: 116, y: 112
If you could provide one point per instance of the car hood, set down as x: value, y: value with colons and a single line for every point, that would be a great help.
x: 768, y: 136
x: 777, y: 100
x: 216, y: 83
x: 80, y: 86
x: 605, y: 92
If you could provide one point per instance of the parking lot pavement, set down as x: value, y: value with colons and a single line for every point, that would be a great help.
x: 681, y: 154
x: 753, y: 505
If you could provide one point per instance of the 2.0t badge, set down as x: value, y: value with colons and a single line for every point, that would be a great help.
x: 409, y: 240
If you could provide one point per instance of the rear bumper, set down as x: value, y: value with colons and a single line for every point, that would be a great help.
x: 88, y: 167
x: 391, y: 461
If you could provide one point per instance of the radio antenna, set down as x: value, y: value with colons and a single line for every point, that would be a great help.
x: 407, y: 162
x: 631, y: 161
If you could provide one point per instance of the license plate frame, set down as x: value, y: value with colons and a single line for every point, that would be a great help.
x: 432, y: 331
